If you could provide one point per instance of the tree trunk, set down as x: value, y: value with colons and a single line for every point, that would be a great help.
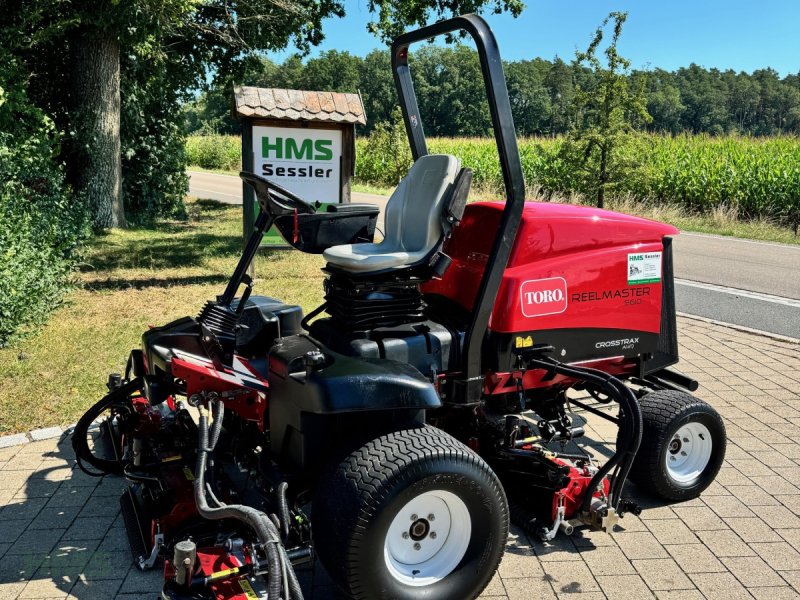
x: 95, y: 159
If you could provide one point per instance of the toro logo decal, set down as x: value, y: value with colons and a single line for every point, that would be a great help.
x: 541, y: 297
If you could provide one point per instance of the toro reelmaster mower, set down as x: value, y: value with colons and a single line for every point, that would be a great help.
x: 393, y: 431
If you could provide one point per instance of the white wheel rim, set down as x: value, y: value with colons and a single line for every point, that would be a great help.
x: 688, y: 453
x: 427, y: 538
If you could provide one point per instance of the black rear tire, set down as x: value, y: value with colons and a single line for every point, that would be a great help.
x: 664, y: 414
x: 364, y: 498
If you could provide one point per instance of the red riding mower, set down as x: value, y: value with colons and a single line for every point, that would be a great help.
x: 394, y: 437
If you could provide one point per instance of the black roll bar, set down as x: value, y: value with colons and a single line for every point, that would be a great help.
x: 469, y: 388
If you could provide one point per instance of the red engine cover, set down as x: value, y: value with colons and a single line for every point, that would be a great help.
x: 584, y: 280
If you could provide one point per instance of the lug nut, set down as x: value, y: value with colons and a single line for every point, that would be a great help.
x: 414, y: 516
x: 431, y: 517
x: 405, y: 535
x: 433, y: 535
x: 686, y: 440
x: 683, y: 453
x: 417, y: 546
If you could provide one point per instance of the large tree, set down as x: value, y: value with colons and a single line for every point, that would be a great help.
x: 80, y: 45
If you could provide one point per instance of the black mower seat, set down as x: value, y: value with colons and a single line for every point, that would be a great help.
x: 413, y: 220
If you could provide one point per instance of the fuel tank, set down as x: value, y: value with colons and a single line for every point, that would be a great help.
x: 592, y: 283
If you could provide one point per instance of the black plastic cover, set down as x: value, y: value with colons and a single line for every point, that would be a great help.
x: 303, y: 384
x: 316, y: 233
x: 428, y: 346
x: 263, y: 321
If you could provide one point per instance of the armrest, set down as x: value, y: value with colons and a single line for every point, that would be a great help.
x: 363, y: 208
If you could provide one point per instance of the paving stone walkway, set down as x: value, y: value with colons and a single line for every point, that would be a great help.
x: 61, y: 535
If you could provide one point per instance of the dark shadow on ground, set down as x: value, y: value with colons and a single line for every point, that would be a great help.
x: 140, y: 284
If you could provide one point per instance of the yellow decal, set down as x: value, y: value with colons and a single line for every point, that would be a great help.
x: 171, y: 458
x: 222, y: 574
x: 522, y: 342
x: 188, y: 473
x: 248, y: 589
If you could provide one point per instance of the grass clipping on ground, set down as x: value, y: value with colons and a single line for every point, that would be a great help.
x: 131, y: 279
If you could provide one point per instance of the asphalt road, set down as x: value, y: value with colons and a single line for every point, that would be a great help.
x: 743, y: 282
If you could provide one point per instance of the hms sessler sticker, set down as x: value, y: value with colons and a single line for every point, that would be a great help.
x: 644, y: 267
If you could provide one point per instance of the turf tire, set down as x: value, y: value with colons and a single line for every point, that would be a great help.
x: 664, y: 412
x: 358, y: 499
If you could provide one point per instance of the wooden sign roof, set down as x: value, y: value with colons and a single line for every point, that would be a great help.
x: 298, y: 105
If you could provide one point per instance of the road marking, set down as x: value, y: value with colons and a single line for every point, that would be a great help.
x: 735, y: 239
x: 742, y: 293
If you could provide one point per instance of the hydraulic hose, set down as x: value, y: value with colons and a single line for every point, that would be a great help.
x: 265, y: 530
x: 283, y: 508
x: 80, y: 443
x: 631, y: 425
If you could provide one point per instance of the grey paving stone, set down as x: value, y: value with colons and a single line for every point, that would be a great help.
x: 96, y: 590
x: 699, y: 518
x: 773, y: 593
x: 720, y: 586
x: 662, y: 574
x: 524, y: 589
x: 23, y: 509
x: 752, y: 571
x: 570, y: 577
x: 671, y: 531
x: 640, y: 545
x: 778, y: 555
x: 54, y: 517
x: 607, y: 560
x: 695, y: 558
x: 35, y: 542
x: 142, y: 581
x: 89, y: 528
x: 725, y: 543
x: 624, y: 587
x: 107, y: 564
x: 70, y: 496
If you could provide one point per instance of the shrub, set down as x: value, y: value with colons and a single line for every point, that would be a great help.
x: 223, y: 152
x: 41, y: 223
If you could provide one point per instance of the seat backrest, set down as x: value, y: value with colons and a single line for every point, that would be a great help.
x: 413, y: 219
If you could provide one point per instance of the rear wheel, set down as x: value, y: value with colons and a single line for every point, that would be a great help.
x: 412, y: 514
x: 683, y: 445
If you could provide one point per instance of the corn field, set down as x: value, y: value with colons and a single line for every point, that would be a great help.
x: 756, y: 177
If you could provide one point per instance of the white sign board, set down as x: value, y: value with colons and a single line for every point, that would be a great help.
x: 304, y: 161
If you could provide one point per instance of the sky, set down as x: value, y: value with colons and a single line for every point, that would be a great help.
x: 742, y: 35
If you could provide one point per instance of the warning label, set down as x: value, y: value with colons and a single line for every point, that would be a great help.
x: 644, y: 267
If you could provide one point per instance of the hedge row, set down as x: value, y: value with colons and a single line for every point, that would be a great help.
x: 41, y: 222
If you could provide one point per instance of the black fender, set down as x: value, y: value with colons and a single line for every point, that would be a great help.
x: 320, y: 400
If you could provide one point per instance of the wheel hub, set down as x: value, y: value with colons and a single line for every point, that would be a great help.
x: 419, y: 529
x: 427, y: 538
x: 688, y: 453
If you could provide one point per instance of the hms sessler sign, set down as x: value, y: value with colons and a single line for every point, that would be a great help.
x: 304, y: 161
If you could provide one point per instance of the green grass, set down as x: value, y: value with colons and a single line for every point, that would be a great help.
x: 131, y: 279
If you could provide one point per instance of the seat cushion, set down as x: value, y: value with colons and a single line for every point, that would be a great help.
x: 413, y: 220
x: 363, y: 258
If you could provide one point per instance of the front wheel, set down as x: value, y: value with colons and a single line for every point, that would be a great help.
x: 683, y: 445
x: 412, y: 514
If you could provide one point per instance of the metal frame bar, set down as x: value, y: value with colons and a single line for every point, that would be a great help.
x: 471, y: 382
